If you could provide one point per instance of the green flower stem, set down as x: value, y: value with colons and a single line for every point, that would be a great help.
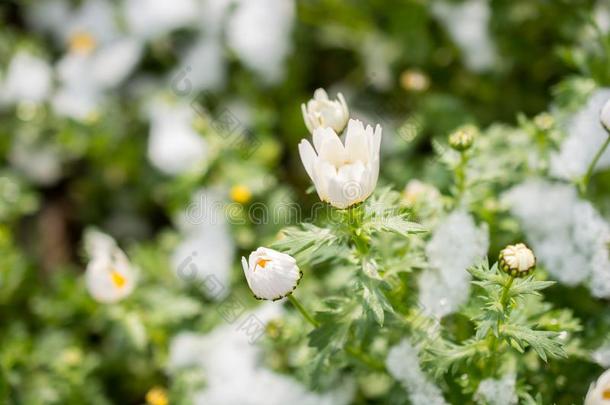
x: 584, y: 183
x: 355, y: 353
x: 355, y: 218
x: 460, y: 176
x: 504, y: 305
x: 308, y: 317
x: 365, y: 359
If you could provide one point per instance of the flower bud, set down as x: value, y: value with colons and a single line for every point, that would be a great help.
x: 517, y: 260
x: 321, y: 112
x: 271, y: 275
x: 604, y: 116
x: 462, y: 138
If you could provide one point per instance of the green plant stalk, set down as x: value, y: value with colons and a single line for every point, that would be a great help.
x: 584, y: 183
x: 495, y: 341
x: 355, y: 353
x: 308, y: 317
x: 460, y: 177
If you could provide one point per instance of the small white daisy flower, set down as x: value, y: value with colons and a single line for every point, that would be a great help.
x: 271, y: 275
x: 599, y: 391
x: 344, y: 175
x: 322, y: 112
x: 109, y: 277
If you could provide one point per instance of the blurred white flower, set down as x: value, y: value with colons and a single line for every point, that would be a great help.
x: 320, y: 111
x: 498, y: 392
x: 174, y: 146
x: 604, y: 115
x: 599, y: 391
x: 456, y: 244
x: 271, y: 275
x: 234, y: 373
x: 205, y: 255
x: 403, y: 364
x: 585, y: 135
x: 417, y: 191
x: 468, y: 24
x: 109, y: 277
x: 152, y: 18
x: 602, y: 355
x: 343, y: 175
x: 567, y: 233
x: 201, y: 67
x: 28, y: 79
x: 39, y: 162
x: 259, y: 32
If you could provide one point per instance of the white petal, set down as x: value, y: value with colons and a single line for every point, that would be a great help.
x: 308, y: 156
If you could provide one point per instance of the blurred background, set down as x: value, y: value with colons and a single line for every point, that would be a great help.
x: 130, y: 116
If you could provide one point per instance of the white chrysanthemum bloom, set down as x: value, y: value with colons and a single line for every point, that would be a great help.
x: 271, y: 275
x: 403, y: 364
x: 28, y: 79
x: 599, y: 391
x: 343, y: 175
x: 320, y: 111
x: 604, y: 115
x: 517, y: 260
x: 109, y: 277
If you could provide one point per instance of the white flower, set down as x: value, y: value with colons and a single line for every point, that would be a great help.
x: 343, y: 175
x: 403, y: 364
x: 271, y: 275
x: 174, y: 146
x: 205, y: 255
x: 110, y: 277
x: 149, y: 19
x: 585, y: 136
x: 28, y: 78
x: 322, y: 112
x: 604, y: 115
x: 233, y: 371
x: 456, y: 244
x: 258, y: 31
x: 599, y: 392
x: 498, y: 392
x: 468, y: 24
x: 570, y: 237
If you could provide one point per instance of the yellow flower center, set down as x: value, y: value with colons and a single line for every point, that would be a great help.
x: 118, y: 279
x: 156, y: 396
x: 262, y: 262
x: 241, y: 194
x: 606, y: 393
x: 82, y: 42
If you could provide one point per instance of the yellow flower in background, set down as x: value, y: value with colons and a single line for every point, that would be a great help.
x: 82, y: 42
x: 414, y: 80
x: 157, y: 396
x: 241, y: 194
